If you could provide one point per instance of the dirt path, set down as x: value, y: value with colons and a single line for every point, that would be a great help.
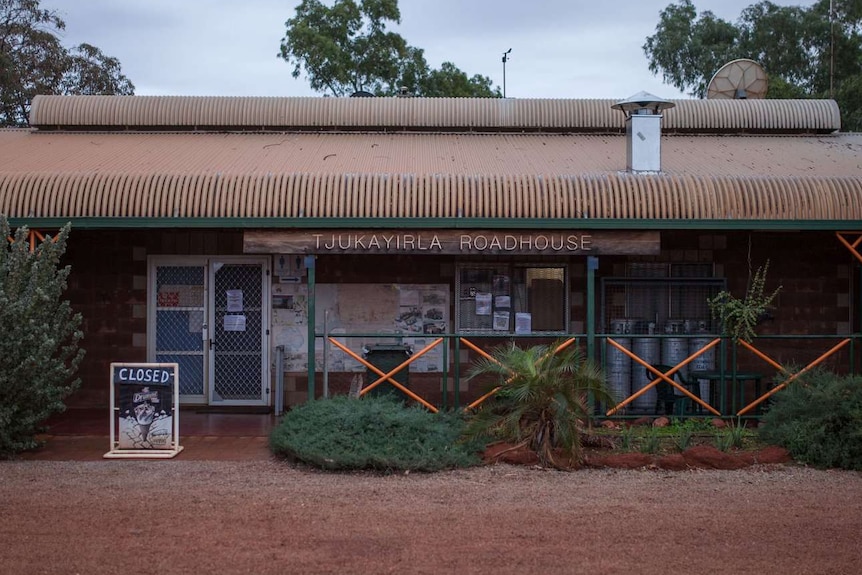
x: 266, y: 517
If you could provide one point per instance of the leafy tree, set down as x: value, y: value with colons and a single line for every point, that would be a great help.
x: 793, y: 43
x: 32, y: 61
x: 451, y: 82
x: 39, y: 336
x: 346, y: 48
x: 542, y: 400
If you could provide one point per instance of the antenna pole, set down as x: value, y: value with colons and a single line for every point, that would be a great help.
x: 505, y: 59
x: 831, y: 50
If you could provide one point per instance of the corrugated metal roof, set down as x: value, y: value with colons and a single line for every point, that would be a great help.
x: 374, y: 175
x: 481, y: 114
x: 412, y: 153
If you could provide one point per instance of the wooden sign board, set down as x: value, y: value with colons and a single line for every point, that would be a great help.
x: 145, y: 415
x: 454, y: 242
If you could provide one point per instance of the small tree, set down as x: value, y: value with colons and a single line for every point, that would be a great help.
x: 543, y: 401
x: 739, y: 317
x: 39, y: 337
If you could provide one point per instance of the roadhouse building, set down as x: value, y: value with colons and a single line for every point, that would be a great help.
x: 207, y: 230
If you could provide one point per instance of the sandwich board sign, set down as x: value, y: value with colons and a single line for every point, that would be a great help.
x: 145, y: 415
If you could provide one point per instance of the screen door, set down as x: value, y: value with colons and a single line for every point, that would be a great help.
x: 210, y: 316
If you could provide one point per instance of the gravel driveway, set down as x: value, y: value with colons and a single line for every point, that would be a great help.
x: 160, y: 517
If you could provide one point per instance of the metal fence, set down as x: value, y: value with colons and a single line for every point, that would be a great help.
x: 707, y: 375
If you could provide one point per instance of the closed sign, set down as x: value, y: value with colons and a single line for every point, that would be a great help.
x: 143, y: 374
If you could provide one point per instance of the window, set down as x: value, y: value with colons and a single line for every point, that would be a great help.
x: 510, y: 299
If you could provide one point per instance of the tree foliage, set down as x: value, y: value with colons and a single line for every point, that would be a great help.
x: 805, y: 54
x: 39, y: 336
x: 33, y: 61
x: 347, y: 48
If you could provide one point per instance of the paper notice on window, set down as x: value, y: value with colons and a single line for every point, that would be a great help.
x: 234, y: 323
x: 523, y: 323
x: 483, y: 304
x: 503, y: 301
x: 501, y: 321
x: 234, y: 300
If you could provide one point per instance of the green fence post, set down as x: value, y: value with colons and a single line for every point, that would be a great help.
x: 592, y: 266
x: 309, y: 264
x: 457, y: 372
x: 445, y: 372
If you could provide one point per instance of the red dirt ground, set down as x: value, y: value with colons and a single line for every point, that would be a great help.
x: 263, y: 516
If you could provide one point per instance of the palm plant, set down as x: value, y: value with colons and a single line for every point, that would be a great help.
x: 542, y: 400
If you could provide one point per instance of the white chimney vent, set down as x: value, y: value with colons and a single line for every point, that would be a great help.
x: 643, y: 131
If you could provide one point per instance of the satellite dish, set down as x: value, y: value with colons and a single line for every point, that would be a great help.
x: 741, y: 79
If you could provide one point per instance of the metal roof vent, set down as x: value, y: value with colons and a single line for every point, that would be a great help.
x: 643, y: 131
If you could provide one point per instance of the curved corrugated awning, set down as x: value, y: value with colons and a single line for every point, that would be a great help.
x: 369, y: 196
x: 481, y: 114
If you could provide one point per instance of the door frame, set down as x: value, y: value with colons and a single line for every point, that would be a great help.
x: 206, y: 262
x: 265, y: 311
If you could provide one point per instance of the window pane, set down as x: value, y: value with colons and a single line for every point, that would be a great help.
x: 489, y: 297
x: 476, y: 289
x: 547, y: 298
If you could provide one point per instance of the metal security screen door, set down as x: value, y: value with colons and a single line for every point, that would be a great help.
x: 238, y: 358
x: 177, y: 322
x: 209, y: 316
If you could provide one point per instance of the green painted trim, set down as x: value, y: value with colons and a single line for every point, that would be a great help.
x: 312, y: 322
x: 437, y: 223
x: 592, y: 266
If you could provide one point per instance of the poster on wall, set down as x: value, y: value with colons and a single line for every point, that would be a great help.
x: 144, y: 410
x: 413, y: 314
x: 435, y: 310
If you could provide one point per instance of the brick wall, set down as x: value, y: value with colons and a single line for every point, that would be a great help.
x: 108, y: 286
x: 109, y: 274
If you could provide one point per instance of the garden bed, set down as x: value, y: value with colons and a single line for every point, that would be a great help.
x: 660, y: 444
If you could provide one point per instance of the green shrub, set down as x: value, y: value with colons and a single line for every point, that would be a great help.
x: 818, y: 419
x: 39, y: 337
x: 377, y: 433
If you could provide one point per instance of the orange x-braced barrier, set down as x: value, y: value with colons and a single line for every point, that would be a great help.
x: 851, y: 246
x: 777, y: 366
x: 486, y: 355
x: 32, y: 236
x: 664, y: 376
x: 388, y: 376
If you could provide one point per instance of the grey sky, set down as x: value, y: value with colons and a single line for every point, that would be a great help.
x: 560, y: 48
